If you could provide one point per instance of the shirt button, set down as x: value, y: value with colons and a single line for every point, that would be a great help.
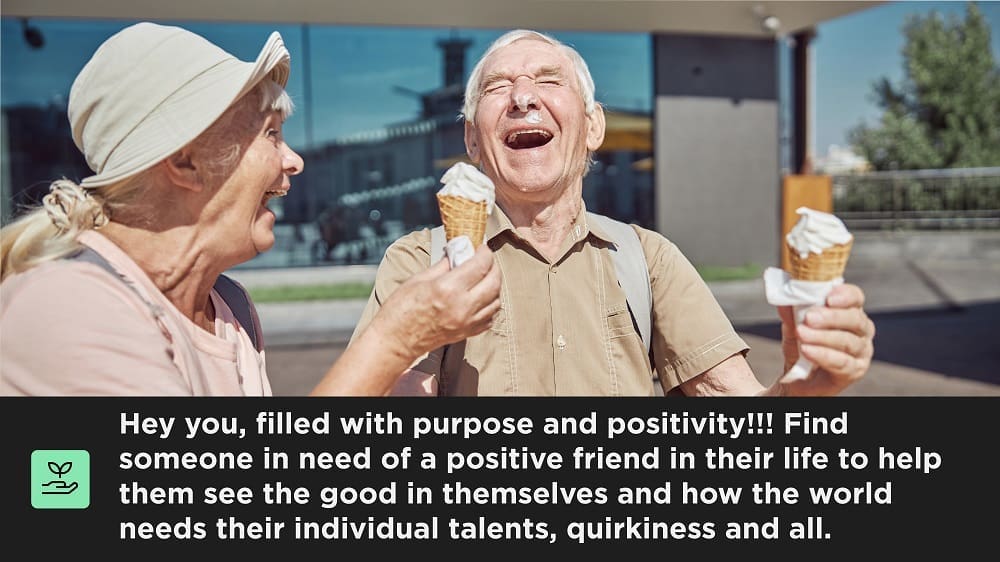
x: 561, y: 342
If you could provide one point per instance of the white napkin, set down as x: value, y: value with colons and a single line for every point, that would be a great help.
x: 781, y: 290
x: 459, y: 250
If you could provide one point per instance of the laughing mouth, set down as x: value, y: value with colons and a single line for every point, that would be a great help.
x: 529, y: 138
x: 271, y: 194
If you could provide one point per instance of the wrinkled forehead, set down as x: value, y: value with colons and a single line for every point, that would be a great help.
x: 527, y: 56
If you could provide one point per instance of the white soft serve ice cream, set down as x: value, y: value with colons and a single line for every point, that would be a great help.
x: 464, y: 180
x: 816, y: 231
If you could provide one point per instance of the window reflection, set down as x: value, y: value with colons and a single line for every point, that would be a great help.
x: 376, y: 122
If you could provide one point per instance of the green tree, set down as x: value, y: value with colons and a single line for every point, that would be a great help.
x: 946, y: 112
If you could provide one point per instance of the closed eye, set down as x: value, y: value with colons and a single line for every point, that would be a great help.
x: 496, y: 88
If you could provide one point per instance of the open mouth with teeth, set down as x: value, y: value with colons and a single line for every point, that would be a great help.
x: 271, y: 194
x: 529, y: 138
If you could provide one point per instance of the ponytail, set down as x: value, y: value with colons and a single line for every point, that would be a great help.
x: 48, y: 232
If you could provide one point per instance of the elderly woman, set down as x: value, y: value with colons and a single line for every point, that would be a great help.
x: 112, y: 287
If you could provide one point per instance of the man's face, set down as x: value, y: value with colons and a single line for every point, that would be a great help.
x: 531, y: 134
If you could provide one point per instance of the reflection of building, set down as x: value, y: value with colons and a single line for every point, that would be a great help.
x: 384, y: 173
x: 39, y: 149
x: 715, y: 121
x: 392, y: 173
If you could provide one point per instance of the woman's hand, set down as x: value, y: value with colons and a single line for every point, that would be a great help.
x: 441, y: 306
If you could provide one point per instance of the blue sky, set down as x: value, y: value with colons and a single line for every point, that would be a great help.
x: 851, y: 52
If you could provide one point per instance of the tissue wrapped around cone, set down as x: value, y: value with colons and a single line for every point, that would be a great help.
x: 463, y: 216
x: 826, y: 266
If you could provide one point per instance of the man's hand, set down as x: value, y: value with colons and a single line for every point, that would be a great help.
x: 837, y: 338
x: 441, y: 306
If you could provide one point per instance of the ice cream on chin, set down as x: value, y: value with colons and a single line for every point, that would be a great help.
x: 818, y: 246
x: 465, y: 201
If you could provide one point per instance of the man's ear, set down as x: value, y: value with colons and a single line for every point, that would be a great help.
x: 596, y: 127
x: 472, y: 142
x: 182, y: 171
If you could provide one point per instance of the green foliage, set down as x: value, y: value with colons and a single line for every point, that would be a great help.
x: 946, y: 112
x: 346, y: 291
x: 296, y: 293
x: 711, y: 273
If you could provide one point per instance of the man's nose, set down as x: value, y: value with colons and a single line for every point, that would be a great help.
x: 523, y: 96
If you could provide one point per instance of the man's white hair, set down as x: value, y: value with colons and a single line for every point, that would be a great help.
x: 585, y: 81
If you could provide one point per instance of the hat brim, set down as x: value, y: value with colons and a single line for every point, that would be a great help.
x: 191, y: 110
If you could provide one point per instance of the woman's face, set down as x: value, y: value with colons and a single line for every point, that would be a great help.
x: 263, y: 173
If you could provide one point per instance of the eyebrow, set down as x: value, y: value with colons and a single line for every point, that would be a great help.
x: 550, y: 70
x: 491, y: 78
x: 500, y: 76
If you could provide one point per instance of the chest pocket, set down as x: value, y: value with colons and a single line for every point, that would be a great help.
x: 619, y: 322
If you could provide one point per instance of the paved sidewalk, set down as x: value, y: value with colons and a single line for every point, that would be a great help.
x: 934, y: 298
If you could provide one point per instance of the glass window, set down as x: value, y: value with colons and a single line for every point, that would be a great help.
x: 376, y: 122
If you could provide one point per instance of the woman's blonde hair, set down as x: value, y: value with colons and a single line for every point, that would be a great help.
x: 49, y: 231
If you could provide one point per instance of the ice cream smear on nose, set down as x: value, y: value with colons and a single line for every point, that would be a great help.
x: 815, y: 232
x: 533, y: 117
x: 523, y: 101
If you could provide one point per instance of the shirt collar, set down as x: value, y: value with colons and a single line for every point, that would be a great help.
x: 594, y: 229
x: 497, y: 223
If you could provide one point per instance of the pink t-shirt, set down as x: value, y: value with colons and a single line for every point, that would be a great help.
x: 67, y: 327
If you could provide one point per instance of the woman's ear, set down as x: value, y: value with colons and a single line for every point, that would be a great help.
x: 182, y: 171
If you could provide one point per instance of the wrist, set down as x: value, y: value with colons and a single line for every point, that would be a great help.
x: 393, y: 340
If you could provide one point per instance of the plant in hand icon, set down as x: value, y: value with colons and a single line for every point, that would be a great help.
x: 59, y: 486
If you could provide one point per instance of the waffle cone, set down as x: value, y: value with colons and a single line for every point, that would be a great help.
x: 826, y: 266
x: 463, y: 216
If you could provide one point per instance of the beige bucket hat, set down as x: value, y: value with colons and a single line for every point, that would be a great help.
x: 151, y: 89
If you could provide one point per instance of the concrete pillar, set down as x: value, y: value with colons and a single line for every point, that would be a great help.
x: 717, y: 147
x: 803, y: 122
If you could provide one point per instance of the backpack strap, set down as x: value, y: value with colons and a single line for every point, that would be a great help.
x: 238, y: 300
x: 632, y: 271
x: 88, y: 255
x: 437, y: 244
x: 231, y: 292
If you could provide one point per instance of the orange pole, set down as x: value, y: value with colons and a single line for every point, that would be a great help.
x: 813, y: 191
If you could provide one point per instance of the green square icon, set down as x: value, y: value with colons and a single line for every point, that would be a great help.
x: 60, y: 479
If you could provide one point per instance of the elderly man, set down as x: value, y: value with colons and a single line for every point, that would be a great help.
x: 564, y: 327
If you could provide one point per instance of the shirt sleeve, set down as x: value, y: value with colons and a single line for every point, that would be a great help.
x: 403, y: 259
x: 72, y: 329
x: 691, y: 333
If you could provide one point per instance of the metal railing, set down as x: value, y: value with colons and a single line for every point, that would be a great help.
x: 957, y: 198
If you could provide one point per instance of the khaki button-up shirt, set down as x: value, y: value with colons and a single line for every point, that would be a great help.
x: 564, y: 327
